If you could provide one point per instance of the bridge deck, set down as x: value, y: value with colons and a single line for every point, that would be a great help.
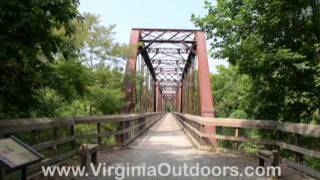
x: 166, y: 143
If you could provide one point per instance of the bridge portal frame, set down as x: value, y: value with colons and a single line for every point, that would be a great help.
x: 193, y: 43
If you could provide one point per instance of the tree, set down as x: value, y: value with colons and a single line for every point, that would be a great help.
x: 231, y: 92
x: 276, y: 43
x: 96, y: 43
x: 29, y: 44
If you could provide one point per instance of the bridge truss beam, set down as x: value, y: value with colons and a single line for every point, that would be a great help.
x: 178, y: 65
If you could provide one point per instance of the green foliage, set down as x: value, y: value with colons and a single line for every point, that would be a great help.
x: 56, y: 62
x: 71, y: 79
x: 231, y: 92
x: 239, y: 114
x: 273, y: 49
x: 106, y: 93
x: 96, y: 43
x: 50, y: 103
x: 275, y: 43
x: 28, y: 46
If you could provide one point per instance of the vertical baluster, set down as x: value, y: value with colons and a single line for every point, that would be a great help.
x: 299, y: 156
x: 120, y: 137
x: 55, y: 136
x: 72, y: 134
x: 2, y: 167
x: 99, y: 139
x: 277, y: 140
x: 236, y: 134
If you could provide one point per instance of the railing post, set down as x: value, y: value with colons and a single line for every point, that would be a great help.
x: 72, y: 134
x: 236, y: 134
x: 120, y: 137
x: 299, y: 156
x: 98, y: 133
x: 277, y: 140
x: 2, y: 167
x: 276, y: 162
x: 2, y: 172
x: 201, y: 140
x: 55, y: 136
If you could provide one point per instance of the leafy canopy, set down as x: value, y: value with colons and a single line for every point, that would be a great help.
x: 276, y: 43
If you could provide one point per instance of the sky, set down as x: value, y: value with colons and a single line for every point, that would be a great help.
x: 128, y: 14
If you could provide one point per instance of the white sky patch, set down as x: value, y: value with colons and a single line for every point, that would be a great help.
x: 147, y: 14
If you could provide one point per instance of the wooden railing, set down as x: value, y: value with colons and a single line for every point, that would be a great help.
x: 194, y: 126
x: 64, y: 131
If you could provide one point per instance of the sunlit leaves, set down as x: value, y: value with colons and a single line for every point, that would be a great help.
x: 276, y: 43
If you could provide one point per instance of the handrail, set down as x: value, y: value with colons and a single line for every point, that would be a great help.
x: 130, y: 126
x: 296, y: 128
x: 194, y: 128
x: 18, y: 125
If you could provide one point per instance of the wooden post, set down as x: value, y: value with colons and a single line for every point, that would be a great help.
x: 2, y: 172
x: 98, y: 133
x: 85, y: 157
x: 24, y: 173
x: 276, y: 158
x: 261, y: 162
x: 236, y: 134
x: 72, y: 144
x: 277, y: 139
x: 120, y: 137
x: 299, y: 156
x: 2, y: 167
x: 94, y: 158
x: 275, y: 162
x: 55, y: 136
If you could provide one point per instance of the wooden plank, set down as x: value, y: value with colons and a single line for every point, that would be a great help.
x: 297, y: 128
x: 236, y: 152
x: 301, y: 168
x: 48, y: 144
x: 128, y: 141
x: 112, y: 118
x: 298, y: 149
x: 10, y: 126
x: 230, y: 138
x: 228, y: 122
x: 243, y: 139
x: 300, y: 128
x: 51, y: 161
x: 131, y: 128
x: 87, y: 136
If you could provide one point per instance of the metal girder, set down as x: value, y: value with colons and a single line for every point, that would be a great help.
x: 188, y: 64
x: 168, y: 61
x: 147, y: 60
x: 168, y: 30
x: 130, y: 70
x: 167, y: 36
x: 169, y: 54
x: 206, y: 99
x: 168, y: 50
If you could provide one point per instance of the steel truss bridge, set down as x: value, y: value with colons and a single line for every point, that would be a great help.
x: 168, y: 71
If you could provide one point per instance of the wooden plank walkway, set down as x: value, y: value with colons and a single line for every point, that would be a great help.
x: 165, y: 142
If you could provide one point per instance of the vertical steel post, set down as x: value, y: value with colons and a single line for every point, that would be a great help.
x: 179, y: 99
x: 154, y: 96
x: 158, y: 97
x: 129, y: 76
x: 176, y: 101
x: 160, y: 104
x: 206, y: 100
